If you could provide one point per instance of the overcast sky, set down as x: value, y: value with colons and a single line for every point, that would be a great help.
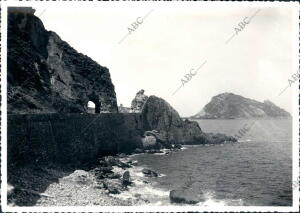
x: 172, y: 40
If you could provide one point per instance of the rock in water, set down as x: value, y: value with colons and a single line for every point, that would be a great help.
x: 45, y: 74
x: 138, y: 102
x: 149, y: 173
x: 184, y: 195
x: 232, y: 106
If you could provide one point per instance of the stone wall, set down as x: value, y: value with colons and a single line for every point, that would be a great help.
x: 71, y: 138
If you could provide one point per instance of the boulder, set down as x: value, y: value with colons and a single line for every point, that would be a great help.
x: 160, y: 137
x: 177, y: 146
x: 138, y: 102
x: 149, y: 173
x: 123, y: 165
x: 112, y: 189
x: 149, y: 142
x: 113, y: 186
x: 185, y: 196
x: 126, y: 180
x: 80, y: 176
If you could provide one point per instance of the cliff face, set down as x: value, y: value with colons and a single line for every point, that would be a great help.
x: 231, y: 106
x: 46, y: 75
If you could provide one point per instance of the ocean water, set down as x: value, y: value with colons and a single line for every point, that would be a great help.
x: 257, y: 171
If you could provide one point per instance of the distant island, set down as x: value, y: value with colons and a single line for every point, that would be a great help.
x: 232, y: 106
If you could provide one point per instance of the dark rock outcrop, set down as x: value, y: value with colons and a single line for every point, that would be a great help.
x: 126, y: 180
x: 46, y: 75
x: 231, y: 106
x: 185, y: 195
x: 139, y: 101
x: 169, y: 128
x: 149, y: 173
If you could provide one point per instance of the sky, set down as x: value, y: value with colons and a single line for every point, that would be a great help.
x: 173, y: 41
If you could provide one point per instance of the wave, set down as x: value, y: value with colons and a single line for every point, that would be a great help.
x: 143, y: 191
x: 210, y: 200
x: 245, y: 140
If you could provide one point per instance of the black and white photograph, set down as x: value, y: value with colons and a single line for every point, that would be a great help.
x: 149, y: 106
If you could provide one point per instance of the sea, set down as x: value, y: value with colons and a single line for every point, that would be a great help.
x: 256, y: 171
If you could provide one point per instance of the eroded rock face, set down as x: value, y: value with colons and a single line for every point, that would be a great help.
x: 45, y: 74
x: 159, y: 115
x: 139, y: 101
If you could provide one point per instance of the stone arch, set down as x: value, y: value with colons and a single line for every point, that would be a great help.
x: 95, y: 100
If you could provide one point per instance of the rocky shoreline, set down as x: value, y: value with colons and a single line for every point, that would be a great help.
x: 109, y: 182
x: 113, y: 181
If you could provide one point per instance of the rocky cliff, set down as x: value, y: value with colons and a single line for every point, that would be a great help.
x: 231, y: 106
x: 160, y: 116
x: 46, y: 75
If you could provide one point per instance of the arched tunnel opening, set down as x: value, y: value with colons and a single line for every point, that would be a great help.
x: 93, y: 107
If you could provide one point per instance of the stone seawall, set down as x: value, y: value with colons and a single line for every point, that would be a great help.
x: 71, y: 138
